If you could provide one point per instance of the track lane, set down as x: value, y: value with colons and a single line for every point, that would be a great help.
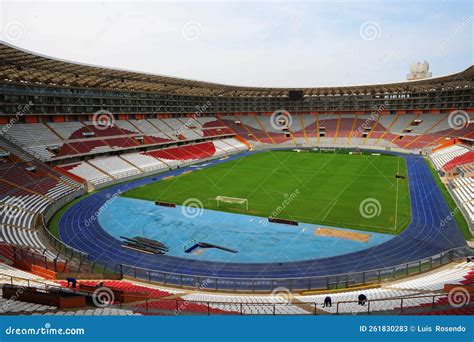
x: 422, y: 238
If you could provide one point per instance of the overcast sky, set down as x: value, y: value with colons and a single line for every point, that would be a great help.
x: 286, y: 43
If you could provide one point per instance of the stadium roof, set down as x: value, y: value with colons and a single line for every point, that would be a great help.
x: 19, y: 65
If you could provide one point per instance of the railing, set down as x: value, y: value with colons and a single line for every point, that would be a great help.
x: 155, y: 305
x: 392, y: 306
x: 79, y: 262
x: 322, y: 144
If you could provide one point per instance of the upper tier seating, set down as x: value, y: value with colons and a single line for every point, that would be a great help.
x: 107, y: 131
x: 66, y: 129
x: 408, y: 131
x: 34, y: 138
x: 209, y: 122
x: 50, y: 140
x: 176, y: 127
x: 86, y: 146
x: 145, y: 127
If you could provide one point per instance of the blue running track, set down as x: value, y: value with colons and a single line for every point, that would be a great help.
x: 430, y: 232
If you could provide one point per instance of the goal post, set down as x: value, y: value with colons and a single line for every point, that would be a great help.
x: 233, y: 200
x: 327, y: 149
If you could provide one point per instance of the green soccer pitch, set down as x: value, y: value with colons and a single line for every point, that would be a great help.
x: 342, y: 190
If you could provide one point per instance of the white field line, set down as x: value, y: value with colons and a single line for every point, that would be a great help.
x: 332, y: 206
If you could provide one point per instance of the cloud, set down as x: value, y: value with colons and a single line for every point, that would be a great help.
x: 256, y: 44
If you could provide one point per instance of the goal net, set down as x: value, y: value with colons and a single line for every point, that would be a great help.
x: 243, y: 202
x: 327, y: 150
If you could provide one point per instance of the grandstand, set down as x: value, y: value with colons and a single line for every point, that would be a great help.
x: 71, y: 139
x: 422, y: 294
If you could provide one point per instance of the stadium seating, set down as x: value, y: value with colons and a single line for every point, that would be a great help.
x: 48, y: 141
x: 105, y: 169
x: 34, y: 138
x: 20, y: 277
x: 144, y: 162
x: 344, y: 129
x: 87, y: 172
x: 463, y: 189
x: 11, y: 275
x: 114, y: 166
x: 143, y: 127
x: 415, y: 292
x: 61, y: 139
x: 445, y: 155
x: 66, y: 129
x: 28, y: 189
x: 465, y: 158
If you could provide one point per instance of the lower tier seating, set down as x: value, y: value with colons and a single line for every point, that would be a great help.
x: 463, y: 189
x: 27, y: 189
x: 103, y: 170
x: 87, y: 172
x: 442, y: 157
x: 416, y: 293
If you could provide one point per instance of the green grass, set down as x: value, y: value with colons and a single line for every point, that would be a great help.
x: 453, y: 208
x: 307, y: 187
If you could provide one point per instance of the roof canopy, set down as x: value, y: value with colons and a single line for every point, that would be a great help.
x: 18, y: 65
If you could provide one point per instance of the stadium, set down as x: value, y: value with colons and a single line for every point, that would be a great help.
x: 126, y: 193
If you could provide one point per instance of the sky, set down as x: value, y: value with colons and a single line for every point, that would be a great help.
x: 268, y: 43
